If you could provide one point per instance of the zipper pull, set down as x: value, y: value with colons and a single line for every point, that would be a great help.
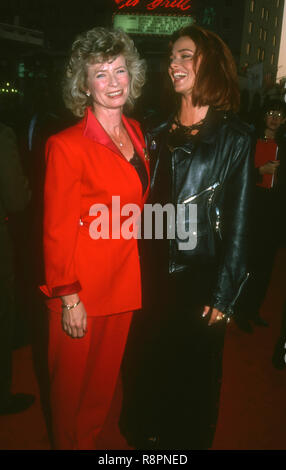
x: 217, y: 223
x: 210, y: 198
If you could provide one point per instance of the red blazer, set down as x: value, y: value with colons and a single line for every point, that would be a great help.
x: 83, y: 168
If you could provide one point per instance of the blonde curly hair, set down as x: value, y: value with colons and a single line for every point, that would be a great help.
x: 96, y: 46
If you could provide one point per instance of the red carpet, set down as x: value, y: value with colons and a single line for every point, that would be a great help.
x: 253, y: 404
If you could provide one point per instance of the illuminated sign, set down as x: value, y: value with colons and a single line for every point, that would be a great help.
x: 183, y: 5
x: 151, y: 24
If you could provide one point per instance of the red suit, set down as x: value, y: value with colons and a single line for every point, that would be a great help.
x: 85, y: 168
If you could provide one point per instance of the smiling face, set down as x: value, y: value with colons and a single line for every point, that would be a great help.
x: 181, y: 68
x: 108, y: 83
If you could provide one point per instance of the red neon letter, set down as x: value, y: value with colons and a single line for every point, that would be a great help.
x: 173, y: 4
x: 154, y: 4
x: 128, y: 3
x: 184, y: 4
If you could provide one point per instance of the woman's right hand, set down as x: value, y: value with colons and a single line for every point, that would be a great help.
x: 269, y: 168
x: 74, y: 321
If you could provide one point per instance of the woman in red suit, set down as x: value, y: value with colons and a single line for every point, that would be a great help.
x: 93, y: 170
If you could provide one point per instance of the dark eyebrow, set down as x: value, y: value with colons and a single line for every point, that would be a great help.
x: 184, y: 50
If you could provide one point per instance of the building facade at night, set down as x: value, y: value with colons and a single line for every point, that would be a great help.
x: 261, y: 35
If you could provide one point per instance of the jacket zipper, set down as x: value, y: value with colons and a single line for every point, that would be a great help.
x: 184, y: 150
x: 191, y: 198
x: 217, y: 222
x: 210, y: 188
x: 210, y: 199
x: 240, y: 289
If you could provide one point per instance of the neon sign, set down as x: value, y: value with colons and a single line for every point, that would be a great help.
x: 183, y: 5
x: 151, y: 24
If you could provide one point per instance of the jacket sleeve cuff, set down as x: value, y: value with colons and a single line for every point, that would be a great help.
x: 59, y: 291
x: 222, y: 307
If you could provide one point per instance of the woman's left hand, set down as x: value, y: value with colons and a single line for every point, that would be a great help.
x: 215, y: 315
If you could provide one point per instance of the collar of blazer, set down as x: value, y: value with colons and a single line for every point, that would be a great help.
x: 94, y: 130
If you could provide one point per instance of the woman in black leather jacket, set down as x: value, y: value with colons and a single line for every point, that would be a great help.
x: 201, y: 156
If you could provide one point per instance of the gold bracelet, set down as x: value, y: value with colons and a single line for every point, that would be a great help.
x: 69, y: 307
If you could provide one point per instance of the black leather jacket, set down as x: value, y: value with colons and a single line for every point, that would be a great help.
x: 215, y: 172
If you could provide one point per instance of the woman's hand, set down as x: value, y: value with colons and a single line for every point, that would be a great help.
x: 74, y: 321
x: 269, y: 168
x: 215, y: 315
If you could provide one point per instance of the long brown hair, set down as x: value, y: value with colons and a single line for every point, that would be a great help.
x: 216, y: 82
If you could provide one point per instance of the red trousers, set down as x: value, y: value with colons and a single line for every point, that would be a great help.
x: 84, y: 374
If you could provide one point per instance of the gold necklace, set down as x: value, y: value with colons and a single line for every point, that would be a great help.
x: 117, y: 141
